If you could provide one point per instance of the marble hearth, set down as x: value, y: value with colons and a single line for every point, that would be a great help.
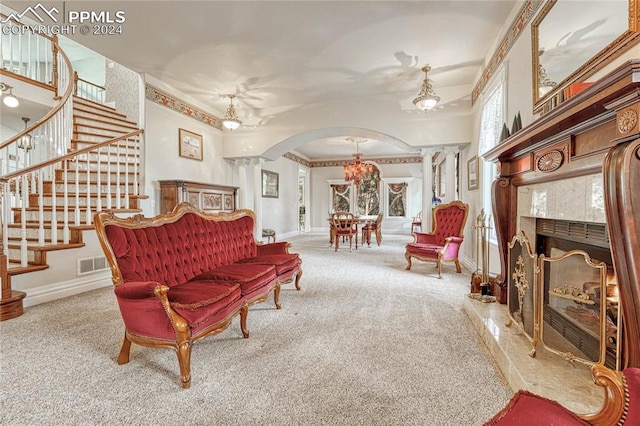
x: 545, y: 374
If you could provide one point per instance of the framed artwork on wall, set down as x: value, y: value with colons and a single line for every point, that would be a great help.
x: 190, y: 144
x: 270, y: 184
x: 472, y: 173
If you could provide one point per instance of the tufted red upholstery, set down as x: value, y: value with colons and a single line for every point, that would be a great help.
x: 187, y: 274
x: 177, y: 252
x: 632, y: 376
x: 443, y: 244
x: 528, y: 409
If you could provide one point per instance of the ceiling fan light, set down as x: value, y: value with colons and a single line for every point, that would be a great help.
x: 231, y: 124
x: 231, y: 120
x: 427, y: 98
x: 428, y: 103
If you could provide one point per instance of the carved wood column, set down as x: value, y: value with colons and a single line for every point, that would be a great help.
x: 504, y: 202
x: 621, y: 171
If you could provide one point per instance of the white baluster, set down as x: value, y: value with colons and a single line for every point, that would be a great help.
x: 126, y: 177
x: 77, y: 181
x: 98, y: 179
x: 40, y: 207
x: 23, y: 222
x: 118, y: 172
x: 54, y: 213
x: 65, y: 189
x: 88, y: 195
x: 108, y: 177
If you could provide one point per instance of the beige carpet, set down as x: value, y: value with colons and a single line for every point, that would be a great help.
x: 363, y: 343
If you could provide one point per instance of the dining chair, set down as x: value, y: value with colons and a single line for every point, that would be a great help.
x: 370, y: 227
x: 345, y: 225
x: 416, y: 222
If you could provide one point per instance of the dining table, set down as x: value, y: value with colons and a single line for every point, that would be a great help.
x: 359, y: 222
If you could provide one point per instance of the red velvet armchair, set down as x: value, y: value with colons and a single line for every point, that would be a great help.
x: 443, y: 244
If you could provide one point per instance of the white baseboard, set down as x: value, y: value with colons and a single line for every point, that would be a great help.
x: 60, y: 290
x: 467, y: 262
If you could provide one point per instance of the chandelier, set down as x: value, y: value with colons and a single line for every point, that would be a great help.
x: 427, y: 98
x: 231, y: 120
x: 357, y: 170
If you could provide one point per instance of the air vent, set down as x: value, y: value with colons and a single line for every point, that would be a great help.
x: 91, y: 264
x: 595, y: 234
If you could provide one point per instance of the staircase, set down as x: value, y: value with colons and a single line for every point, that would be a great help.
x: 62, y: 207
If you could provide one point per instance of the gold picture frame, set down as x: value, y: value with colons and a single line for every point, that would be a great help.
x: 190, y: 144
x: 472, y: 173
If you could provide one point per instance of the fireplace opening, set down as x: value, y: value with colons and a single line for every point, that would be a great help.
x: 578, y: 299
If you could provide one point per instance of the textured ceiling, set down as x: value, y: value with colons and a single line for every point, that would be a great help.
x: 284, y: 56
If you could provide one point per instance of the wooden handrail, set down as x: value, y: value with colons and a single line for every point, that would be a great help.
x: 3, y: 16
x: 78, y: 78
x: 68, y: 156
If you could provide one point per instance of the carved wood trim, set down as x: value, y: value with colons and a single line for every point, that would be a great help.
x: 622, y: 204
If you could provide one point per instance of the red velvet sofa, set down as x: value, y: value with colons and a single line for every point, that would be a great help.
x: 185, y: 275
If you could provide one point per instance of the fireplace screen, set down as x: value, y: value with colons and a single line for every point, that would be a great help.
x: 522, y: 281
x: 573, y: 304
x: 562, y: 299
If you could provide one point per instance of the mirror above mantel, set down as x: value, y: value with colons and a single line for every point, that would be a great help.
x: 572, y: 40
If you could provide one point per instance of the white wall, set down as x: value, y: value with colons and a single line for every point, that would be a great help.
x: 281, y: 214
x: 162, y: 160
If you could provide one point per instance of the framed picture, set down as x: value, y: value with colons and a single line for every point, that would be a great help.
x: 472, y: 173
x: 190, y: 144
x: 269, y: 184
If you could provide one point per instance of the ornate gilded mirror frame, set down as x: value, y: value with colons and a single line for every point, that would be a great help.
x: 566, y: 299
x: 522, y: 289
x: 621, y: 44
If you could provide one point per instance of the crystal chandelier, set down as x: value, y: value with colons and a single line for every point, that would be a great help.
x: 231, y: 120
x: 427, y: 98
x: 357, y: 170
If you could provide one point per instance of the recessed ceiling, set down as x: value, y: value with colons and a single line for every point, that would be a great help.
x: 283, y: 57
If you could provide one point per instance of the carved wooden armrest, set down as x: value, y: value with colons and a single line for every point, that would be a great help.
x: 180, y: 325
x: 616, y: 397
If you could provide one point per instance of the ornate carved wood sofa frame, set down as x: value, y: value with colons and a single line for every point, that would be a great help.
x: 185, y: 275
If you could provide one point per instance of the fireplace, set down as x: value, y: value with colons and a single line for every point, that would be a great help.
x: 579, y: 294
x: 594, y: 132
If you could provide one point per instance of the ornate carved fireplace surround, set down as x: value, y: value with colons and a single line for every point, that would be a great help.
x: 597, y: 131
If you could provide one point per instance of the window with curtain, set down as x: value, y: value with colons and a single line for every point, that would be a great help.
x: 368, y: 202
x: 491, y: 123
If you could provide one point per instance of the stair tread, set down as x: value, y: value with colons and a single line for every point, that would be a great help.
x: 115, y: 122
x: 12, y: 269
x: 48, y: 247
x: 36, y: 225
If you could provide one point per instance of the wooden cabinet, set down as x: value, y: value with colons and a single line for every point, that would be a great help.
x: 208, y: 197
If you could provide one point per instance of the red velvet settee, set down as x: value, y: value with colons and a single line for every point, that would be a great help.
x: 185, y: 275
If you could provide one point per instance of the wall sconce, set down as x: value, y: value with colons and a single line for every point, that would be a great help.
x: 8, y: 98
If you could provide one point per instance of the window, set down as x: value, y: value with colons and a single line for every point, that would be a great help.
x: 491, y: 123
x: 369, y: 194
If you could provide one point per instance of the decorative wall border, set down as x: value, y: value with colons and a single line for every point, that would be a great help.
x: 163, y: 98
x: 341, y: 163
x: 517, y: 27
